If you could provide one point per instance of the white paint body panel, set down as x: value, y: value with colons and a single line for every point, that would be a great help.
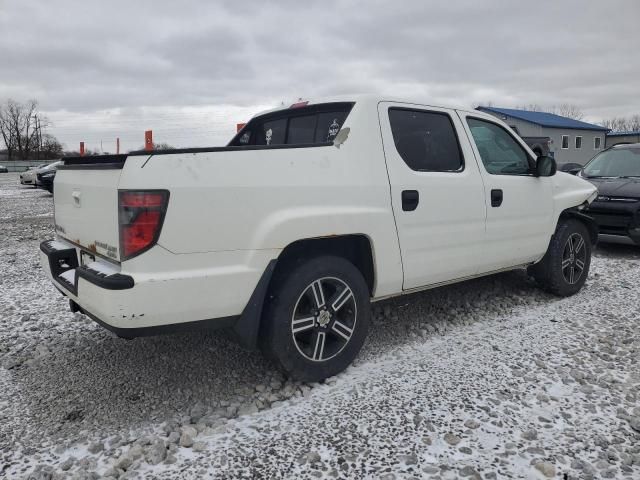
x: 442, y: 238
x: 231, y: 212
x: 86, y: 209
x: 518, y: 231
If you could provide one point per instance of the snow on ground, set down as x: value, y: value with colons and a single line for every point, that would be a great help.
x: 488, y: 379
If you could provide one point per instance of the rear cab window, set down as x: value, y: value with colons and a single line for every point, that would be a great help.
x: 311, y: 125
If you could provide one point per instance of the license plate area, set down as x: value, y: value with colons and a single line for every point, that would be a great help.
x: 86, y: 258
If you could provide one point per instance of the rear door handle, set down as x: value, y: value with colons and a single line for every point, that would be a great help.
x: 496, y: 197
x: 410, y: 199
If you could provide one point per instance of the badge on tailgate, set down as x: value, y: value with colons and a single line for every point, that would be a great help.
x: 76, y: 198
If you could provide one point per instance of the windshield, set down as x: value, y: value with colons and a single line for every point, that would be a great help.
x: 623, y: 162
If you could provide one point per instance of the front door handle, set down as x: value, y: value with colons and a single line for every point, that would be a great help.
x: 496, y: 197
x: 410, y: 199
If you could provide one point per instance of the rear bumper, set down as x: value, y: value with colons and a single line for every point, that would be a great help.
x: 61, y: 259
x: 138, y: 304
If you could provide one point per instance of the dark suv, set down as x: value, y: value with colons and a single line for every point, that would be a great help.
x: 616, y: 173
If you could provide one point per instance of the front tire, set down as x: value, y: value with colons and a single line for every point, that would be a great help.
x: 317, y: 318
x: 565, y: 267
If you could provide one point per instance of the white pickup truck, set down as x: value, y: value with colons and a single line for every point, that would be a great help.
x: 287, y: 234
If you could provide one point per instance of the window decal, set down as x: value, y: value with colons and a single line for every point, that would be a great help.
x: 334, y: 128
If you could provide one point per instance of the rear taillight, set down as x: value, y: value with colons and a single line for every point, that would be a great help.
x: 140, y: 214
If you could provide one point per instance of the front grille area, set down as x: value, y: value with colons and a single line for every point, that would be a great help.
x: 614, y: 221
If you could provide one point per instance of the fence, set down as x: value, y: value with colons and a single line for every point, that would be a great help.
x: 22, y: 165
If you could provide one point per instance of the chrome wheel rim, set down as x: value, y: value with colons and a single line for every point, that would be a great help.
x: 324, y: 319
x: 574, y: 258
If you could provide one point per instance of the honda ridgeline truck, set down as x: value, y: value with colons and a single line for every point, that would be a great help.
x: 311, y: 212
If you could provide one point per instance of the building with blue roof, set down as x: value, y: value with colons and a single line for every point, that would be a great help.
x: 572, y: 141
x: 614, y: 138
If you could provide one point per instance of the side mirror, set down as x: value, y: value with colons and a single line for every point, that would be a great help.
x: 546, y: 166
x: 574, y: 171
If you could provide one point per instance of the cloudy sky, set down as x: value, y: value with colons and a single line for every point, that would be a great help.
x: 190, y: 70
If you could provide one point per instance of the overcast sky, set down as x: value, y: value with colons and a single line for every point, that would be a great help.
x: 190, y: 70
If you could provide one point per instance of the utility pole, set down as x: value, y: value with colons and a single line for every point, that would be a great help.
x: 38, y: 133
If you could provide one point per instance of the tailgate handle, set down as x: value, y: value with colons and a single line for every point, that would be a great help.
x: 76, y: 198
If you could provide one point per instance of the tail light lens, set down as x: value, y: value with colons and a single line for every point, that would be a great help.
x: 140, y: 214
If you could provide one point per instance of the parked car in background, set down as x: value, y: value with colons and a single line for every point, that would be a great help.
x: 3, y: 169
x: 46, y: 175
x: 45, y: 180
x: 572, y: 168
x: 28, y: 177
x: 315, y: 210
x: 616, y: 209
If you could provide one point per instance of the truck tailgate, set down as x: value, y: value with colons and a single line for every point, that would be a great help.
x: 86, y: 209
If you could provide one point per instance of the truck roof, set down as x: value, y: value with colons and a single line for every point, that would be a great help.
x: 366, y: 98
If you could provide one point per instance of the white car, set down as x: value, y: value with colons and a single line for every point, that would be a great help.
x: 28, y: 177
x: 310, y: 213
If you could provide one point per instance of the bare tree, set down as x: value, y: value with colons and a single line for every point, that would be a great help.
x: 623, y: 124
x: 51, y: 147
x: 157, y: 146
x: 565, y: 110
x: 568, y: 110
x: 21, y: 128
x: 532, y: 107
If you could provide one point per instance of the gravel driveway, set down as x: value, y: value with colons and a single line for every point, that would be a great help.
x: 487, y: 379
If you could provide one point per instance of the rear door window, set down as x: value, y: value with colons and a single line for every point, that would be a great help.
x: 426, y: 141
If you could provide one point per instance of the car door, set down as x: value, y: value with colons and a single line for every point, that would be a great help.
x: 519, y: 204
x: 436, y: 191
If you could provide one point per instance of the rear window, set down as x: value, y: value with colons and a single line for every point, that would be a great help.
x: 271, y: 133
x: 316, y: 124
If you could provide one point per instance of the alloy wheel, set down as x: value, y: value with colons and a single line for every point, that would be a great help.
x: 574, y: 258
x: 324, y: 319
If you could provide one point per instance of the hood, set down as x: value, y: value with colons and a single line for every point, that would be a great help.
x: 51, y: 166
x: 617, y: 187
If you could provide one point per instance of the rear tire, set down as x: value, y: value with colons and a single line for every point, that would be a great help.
x: 317, y: 318
x: 565, y: 267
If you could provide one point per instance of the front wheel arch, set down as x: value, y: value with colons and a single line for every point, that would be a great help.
x: 589, y: 223
x: 550, y: 272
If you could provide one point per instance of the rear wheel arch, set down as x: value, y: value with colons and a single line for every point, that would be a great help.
x: 355, y: 248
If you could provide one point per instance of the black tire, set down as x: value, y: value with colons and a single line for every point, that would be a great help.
x: 317, y: 349
x: 559, y: 271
